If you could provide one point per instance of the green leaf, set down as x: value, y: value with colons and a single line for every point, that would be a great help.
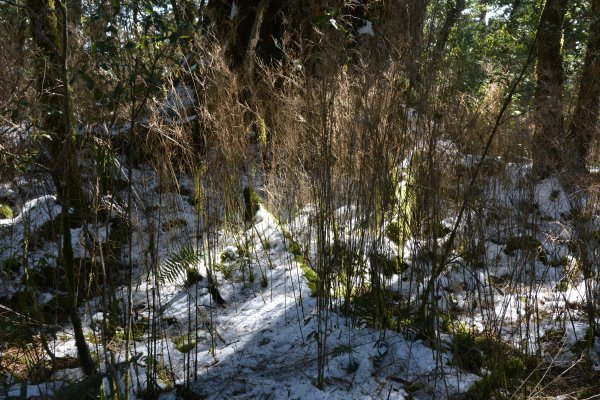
x: 177, y: 265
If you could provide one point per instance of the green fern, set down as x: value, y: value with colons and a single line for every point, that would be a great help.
x: 178, y: 264
x: 341, y: 350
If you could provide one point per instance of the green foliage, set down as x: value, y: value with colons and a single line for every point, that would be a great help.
x: 180, y: 266
x: 505, y: 367
x: 372, y: 308
x: 394, y: 231
x: 472, y: 254
x: 525, y: 243
x: 107, y: 167
x: 11, y: 265
x: 352, y: 366
x: 193, y: 276
x: 467, y: 355
x: 5, y: 211
x: 341, y: 349
x: 229, y: 255
x: 226, y: 270
x: 386, y: 264
x: 165, y: 375
x: 559, y: 262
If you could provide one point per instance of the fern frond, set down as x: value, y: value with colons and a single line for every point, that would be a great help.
x: 176, y: 265
x: 341, y: 350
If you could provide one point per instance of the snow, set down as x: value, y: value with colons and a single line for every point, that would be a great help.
x: 234, y: 10
x: 366, y: 29
x: 263, y: 340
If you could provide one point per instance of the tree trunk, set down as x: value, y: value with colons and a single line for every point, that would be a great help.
x: 412, y: 21
x: 452, y: 15
x: 252, y: 28
x: 51, y: 71
x: 549, y: 124
x: 584, y: 123
x: 185, y: 14
x: 75, y: 12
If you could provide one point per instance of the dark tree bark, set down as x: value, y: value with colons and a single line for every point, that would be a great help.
x: 584, y: 123
x: 51, y: 71
x: 549, y: 123
x: 75, y: 12
x: 455, y: 8
x: 412, y: 21
x: 257, y: 25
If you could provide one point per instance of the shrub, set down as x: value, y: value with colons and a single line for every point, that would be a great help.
x: 5, y: 211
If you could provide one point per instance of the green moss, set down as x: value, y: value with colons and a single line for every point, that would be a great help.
x: 5, y: 211
x: 165, y: 375
x: 310, y: 274
x: 252, y: 202
x: 139, y: 329
x: 184, y: 343
x: 229, y: 255
x: 376, y: 309
x: 266, y: 243
x: 262, y: 131
x: 563, y: 285
x: 482, y: 389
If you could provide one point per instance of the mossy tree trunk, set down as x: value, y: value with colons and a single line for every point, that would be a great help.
x: 549, y: 123
x: 48, y: 28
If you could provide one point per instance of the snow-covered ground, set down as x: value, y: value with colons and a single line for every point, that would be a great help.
x: 262, y: 340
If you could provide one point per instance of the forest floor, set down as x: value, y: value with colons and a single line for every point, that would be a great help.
x: 260, y: 335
